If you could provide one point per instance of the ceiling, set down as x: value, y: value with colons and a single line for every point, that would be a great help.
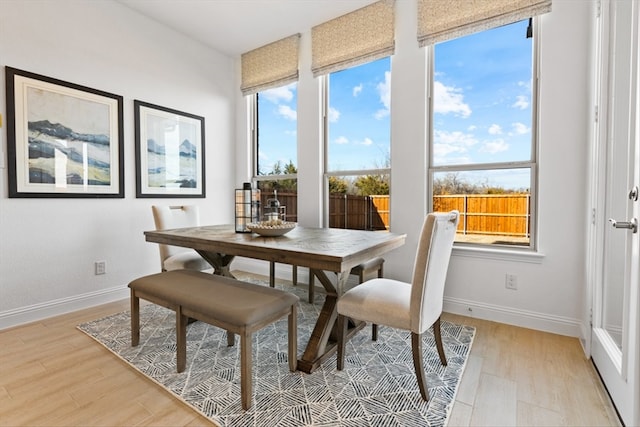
x: 237, y: 26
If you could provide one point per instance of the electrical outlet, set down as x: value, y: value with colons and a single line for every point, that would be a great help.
x: 101, y: 267
x: 511, y: 281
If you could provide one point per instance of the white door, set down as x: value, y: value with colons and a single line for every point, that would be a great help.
x: 615, y: 347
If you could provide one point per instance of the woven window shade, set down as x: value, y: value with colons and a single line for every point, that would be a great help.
x: 273, y: 65
x: 440, y: 20
x: 361, y: 36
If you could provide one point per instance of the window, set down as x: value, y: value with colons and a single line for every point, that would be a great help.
x: 483, y: 144
x: 358, y: 146
x: 275, y: 148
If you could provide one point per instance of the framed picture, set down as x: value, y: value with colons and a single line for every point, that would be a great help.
x: 169, y: 152
x: 63, y: 139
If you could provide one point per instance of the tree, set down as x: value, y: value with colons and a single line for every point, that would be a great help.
x: 281, y: 184
x: 369, y: 185
x: 338, y: 185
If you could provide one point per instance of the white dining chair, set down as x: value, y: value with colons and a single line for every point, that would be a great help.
x: 414, y: 306
x: 174, y: 257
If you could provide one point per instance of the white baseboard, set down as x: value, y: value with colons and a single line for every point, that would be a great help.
x: 33, y: 313
x: 523, y: 318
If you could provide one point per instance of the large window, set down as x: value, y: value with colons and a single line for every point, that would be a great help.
x: 358, y: 146
x: 275, y: 147
x: 483, y: 156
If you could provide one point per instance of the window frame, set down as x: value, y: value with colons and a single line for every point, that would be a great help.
x: 532, y: 164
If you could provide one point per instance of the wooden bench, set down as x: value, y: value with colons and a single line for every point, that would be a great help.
x: 238, y: 307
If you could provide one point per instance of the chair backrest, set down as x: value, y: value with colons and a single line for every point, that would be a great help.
x: 168, y: 217
x: 430, y: 268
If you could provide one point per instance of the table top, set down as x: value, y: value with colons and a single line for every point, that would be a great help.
x: 331, y: 249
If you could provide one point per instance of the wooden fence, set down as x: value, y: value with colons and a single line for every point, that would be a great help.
x: 345, y: 211
x: 495, y: 214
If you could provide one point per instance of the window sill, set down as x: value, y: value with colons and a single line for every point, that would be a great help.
x: 500, y: 254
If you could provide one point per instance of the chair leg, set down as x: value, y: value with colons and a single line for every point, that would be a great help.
x: 293, y: 338
x: 416, y: 347
x: 272, y: 274
x: 374, y: 332
x: 342, y: 335
x: 135, y: 319
x: 294, y: 275
x: 438, y: 337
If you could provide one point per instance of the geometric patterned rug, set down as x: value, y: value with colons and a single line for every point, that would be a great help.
x: 377, y: 387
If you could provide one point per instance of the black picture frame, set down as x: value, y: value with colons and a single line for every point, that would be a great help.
x: 170, y: 151
x: 63, y: 139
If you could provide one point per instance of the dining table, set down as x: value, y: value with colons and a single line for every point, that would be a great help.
x: 321, y: 250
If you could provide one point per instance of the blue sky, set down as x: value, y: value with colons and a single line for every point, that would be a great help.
x: 482, y: 109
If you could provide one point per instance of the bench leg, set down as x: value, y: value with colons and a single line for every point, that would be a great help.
x: 245, y: 370
x: 181, y: 340
x: 135, y: 319
x: 231, y: 339
x: 292, y: 345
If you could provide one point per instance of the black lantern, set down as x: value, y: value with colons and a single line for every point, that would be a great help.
x: 247, y: 207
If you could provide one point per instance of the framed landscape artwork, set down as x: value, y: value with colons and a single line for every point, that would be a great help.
x: 169, y: 152
x: 63, y: 139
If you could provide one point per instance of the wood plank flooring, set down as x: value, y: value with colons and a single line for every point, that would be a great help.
x: 52, y: 374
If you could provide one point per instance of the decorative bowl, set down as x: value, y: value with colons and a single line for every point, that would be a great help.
x: 271, y: 228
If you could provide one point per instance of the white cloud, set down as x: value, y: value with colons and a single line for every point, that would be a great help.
x: 367, y: 141
x: 449, y: 99
x: 493, y: 147
x: 472, y: 128
x: 520, y: 128
x: 447, y: 143
x: 282, y: 93
x: 495, y: 129
x: 341, y: 140
x: 287, y: 112
x: 334, y: 115
x: 522, y: 102
x: 357, y: 90
x: 384, y: 90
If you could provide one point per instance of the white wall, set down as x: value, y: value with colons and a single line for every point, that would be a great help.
x: 551, y: 288
x: 48, y: 246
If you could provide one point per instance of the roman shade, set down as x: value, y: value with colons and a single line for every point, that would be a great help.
x: 358, y: 37
x: 269, y: 66
x: 440, y: 20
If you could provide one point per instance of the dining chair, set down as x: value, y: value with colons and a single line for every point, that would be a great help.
x: 174, y: 257
x: 414, y: 306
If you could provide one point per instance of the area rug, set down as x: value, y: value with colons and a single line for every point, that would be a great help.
x: 378, y: 386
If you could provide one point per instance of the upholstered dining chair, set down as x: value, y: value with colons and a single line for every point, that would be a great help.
x: 173, y: 257
x: 414, y: 306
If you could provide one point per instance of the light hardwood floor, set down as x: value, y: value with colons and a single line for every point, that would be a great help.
x: 52, y: 374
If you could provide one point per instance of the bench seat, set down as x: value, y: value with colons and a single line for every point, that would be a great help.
x: 238, y: 307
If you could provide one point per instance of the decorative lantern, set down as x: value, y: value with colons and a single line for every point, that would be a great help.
x: 247, y: 207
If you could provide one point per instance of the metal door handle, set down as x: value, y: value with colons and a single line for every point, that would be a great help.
x: 629, y: 225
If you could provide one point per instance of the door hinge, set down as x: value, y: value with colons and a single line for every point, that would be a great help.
x: 595, y: 113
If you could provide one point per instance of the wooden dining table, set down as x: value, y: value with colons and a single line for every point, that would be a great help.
x: 321, y: 250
